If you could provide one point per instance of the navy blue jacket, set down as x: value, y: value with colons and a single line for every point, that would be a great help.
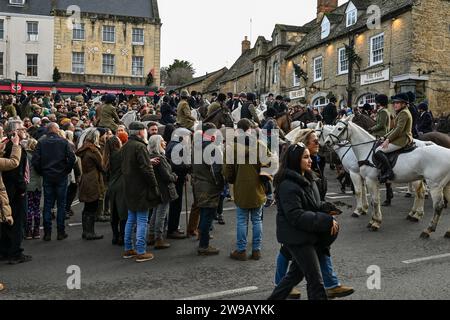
x: 425, y: 123
x: 53, y: 158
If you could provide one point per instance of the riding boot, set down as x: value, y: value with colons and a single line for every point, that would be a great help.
x: 389, y: 195
x: 90, y: 224
x: 386, y: 172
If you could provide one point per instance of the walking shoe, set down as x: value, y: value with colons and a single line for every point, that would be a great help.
x: 239, y: 255
x: 176, y: 235
x: 129, y: 254
x: 62, y: 235
x: 20, y: 259
x: 210, y: 251
x: 339, y: 292
x: 295, y: 294
x: 161, y: 244
x: 256, y: 255
x: 36, y: 234
x: 29, y: 235
x: 144, y: 257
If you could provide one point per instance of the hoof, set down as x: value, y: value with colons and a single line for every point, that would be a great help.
x: 364, y: 213
x: 369, y: 225
x: 355, y: 215
x: 424, y: 235
x: 413, y: 219
x: 408, y: 195
x: 408, y: 217
x: 374, y: 229
x: 447, y: 235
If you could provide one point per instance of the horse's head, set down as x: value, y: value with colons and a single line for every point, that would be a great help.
x: 337, y: 135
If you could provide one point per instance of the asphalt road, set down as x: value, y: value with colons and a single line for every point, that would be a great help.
x: 178, y: 273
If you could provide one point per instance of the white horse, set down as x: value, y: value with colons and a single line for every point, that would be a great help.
x: 129, y: 117
x: 412, y: 166
x: 351, y: 165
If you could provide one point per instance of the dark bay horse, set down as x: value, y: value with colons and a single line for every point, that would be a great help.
x: 220, y: 117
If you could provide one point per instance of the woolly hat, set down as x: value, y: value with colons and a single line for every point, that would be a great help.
x: 123, y: 137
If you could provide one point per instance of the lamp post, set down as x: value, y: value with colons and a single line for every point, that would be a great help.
x: 17, y: 80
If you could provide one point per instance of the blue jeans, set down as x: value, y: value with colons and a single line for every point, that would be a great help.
x: 330, y: 279
x: 54, y: 191
x: 141, y: 219
x: 206, y: 219
x: 242, y: 216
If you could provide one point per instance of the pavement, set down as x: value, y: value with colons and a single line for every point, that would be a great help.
x: 178, y: 273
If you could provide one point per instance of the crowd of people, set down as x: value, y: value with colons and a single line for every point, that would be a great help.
x: 57, y: 148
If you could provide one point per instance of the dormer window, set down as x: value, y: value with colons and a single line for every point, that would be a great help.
x: 275, y: 40
x: 325, y: 27
x: 17, y: 2
x: 352, y: 14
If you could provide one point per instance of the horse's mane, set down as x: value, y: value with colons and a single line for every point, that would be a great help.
x: 352, y: 123
x: 364, y: 121
x: 441, y: 139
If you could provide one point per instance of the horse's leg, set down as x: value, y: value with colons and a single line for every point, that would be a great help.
x: 446, y: 197
x: 437, y: 194
x: 374, y: 189
x: 359, y: 185
x: 365, y: 202
x: 409, y: 191
x: 417, y: 211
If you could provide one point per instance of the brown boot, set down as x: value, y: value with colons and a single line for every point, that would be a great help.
x: 162, y: 244
x: 239, y: 255
x: 210, y: 251
x: 256, y: 255
x: 144, y: 257
x: 339, y: 292
x: 294, y: 294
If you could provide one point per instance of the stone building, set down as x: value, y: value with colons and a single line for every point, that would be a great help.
x: 406, y: 49
x: 26, y: 41
x: 203, y: 83
x: 115, y: 42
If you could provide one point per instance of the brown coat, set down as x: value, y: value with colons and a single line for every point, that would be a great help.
x: 91, y: 185
x: 5, y: 165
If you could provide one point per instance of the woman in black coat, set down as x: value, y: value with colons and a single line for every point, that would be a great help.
x: 303, y: 227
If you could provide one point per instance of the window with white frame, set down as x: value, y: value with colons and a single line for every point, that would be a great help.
x: 317, y: 66
x: 2, y: 29
x: 138, y: 36
x: 17, y: 2
x: 296, y: 81
x: 137, y: 66
x: 32, y: 65
x: 78, y: 31
x: 78, y: 62
x: 108, y: 63
x: 377, y: 49
x: 321, y: 102
x: 32, y: 30
x: 367, y: 98
x: 326, y: 26
x: 109, y: 34
x: 276, y: 72
x: 352, y: 14
x: 1, y: 63
x: 342, y: 61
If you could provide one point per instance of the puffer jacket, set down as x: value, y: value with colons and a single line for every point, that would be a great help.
x: 301, y: 217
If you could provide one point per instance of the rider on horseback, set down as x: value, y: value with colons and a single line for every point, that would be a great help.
x: 248, y: 110
x: 383, y: 117
x: 184, y: 117
x: 217, y: 105
x: 399, y: 137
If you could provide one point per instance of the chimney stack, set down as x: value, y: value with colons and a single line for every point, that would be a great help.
x: 324, y: 7
x: 245, y: 45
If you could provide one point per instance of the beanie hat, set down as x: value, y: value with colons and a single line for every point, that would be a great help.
x: 123, y: 137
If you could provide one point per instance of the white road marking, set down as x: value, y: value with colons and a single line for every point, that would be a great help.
x: 339, y: 197
x: 222, y: 293
x: 75, y: 224
x: 440, y: 256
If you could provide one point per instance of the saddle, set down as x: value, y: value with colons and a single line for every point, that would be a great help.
x: 392, y: 156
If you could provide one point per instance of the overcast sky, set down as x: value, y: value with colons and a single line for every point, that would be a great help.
x: 208, y: 33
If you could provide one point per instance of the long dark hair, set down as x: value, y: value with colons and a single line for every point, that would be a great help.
x: 112, y: 144
x: 290, y: 160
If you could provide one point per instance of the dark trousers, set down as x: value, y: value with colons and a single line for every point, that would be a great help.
x: 117, y: 225
x: 305, y: 263
x: 220, y: 207
x: 91, y: 206
x: 71, y: 194
x: 176, y: 207
x: 55, y: 191
x: 12, y: 236
x: 206, y: 219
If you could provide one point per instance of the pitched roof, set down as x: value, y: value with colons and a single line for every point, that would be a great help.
x: 338, y: 22
x: 31, y: 7
x: 201, y: 78
x: 241, y: 67
x: 133, y: 8
x: 289, y: 28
